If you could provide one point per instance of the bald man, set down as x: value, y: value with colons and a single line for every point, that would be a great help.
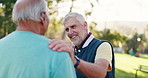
x: 24, y: 53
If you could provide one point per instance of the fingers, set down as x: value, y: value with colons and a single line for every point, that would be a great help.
x: 53, y: 40
x: 58, y: 47
x: 53, y: 43
x: 61, y: 49
x: 61, y: 45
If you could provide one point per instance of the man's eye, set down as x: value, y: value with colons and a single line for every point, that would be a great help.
x: 66, y: 29
x: 73, y: 27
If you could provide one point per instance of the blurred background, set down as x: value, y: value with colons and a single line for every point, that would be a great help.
x: 122, y: 22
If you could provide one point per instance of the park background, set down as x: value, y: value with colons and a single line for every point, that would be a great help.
x: 122, y: 22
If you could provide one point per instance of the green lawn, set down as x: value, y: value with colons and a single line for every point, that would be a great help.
x: 125, y: 65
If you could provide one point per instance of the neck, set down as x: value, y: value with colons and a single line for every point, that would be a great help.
x: 85, y: 38
x: 30, y: 26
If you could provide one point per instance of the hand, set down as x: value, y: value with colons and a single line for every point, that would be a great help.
x: 62, y: 45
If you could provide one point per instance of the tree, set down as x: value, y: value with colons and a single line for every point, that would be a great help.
x: 112, y: 36
x: 6, y: 25
x: 136, y: 42
x: 55, y: 29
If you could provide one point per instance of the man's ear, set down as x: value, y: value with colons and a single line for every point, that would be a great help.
x: 44, y: 19
x: 85, y: 24
x: 43, y: 14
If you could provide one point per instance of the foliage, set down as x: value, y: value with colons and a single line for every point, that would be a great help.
x: 6, y: 24
x: 54, y: 29
x: 120, y: 40
x: 136, y: 44
x: 92, y: 28
x: 112, y: 36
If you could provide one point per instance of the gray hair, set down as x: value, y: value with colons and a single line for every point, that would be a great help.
x: 79, y: 17
x: 31, y: 10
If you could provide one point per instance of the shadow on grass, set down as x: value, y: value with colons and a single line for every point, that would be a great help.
x: 143, y: 57
x: 123, y: 74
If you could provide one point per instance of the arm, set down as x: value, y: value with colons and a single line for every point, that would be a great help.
x: 93, y: 70
x: 102, y: 63
x: 90, y: 70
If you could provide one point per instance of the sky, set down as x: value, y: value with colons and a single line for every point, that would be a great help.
x: 105, y: 11
x: 122, y: 10
x: 108, y: 10
x: 132, y: 14
x: 111, y: 10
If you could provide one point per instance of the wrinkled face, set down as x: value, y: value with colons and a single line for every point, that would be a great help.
x: 75, y: 30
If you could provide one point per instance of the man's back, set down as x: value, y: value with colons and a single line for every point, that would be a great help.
x: 26, y: 55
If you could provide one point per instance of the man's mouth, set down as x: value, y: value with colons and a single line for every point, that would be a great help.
x: 73, y: 36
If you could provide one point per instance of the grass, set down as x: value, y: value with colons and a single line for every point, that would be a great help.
x: 126, y: 64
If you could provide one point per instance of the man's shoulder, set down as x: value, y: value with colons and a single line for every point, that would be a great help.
x: 44, y: 39
x: 61, y: 55
x: 98, y: 41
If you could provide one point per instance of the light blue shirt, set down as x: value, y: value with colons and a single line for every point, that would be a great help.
x: 26, y: 55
